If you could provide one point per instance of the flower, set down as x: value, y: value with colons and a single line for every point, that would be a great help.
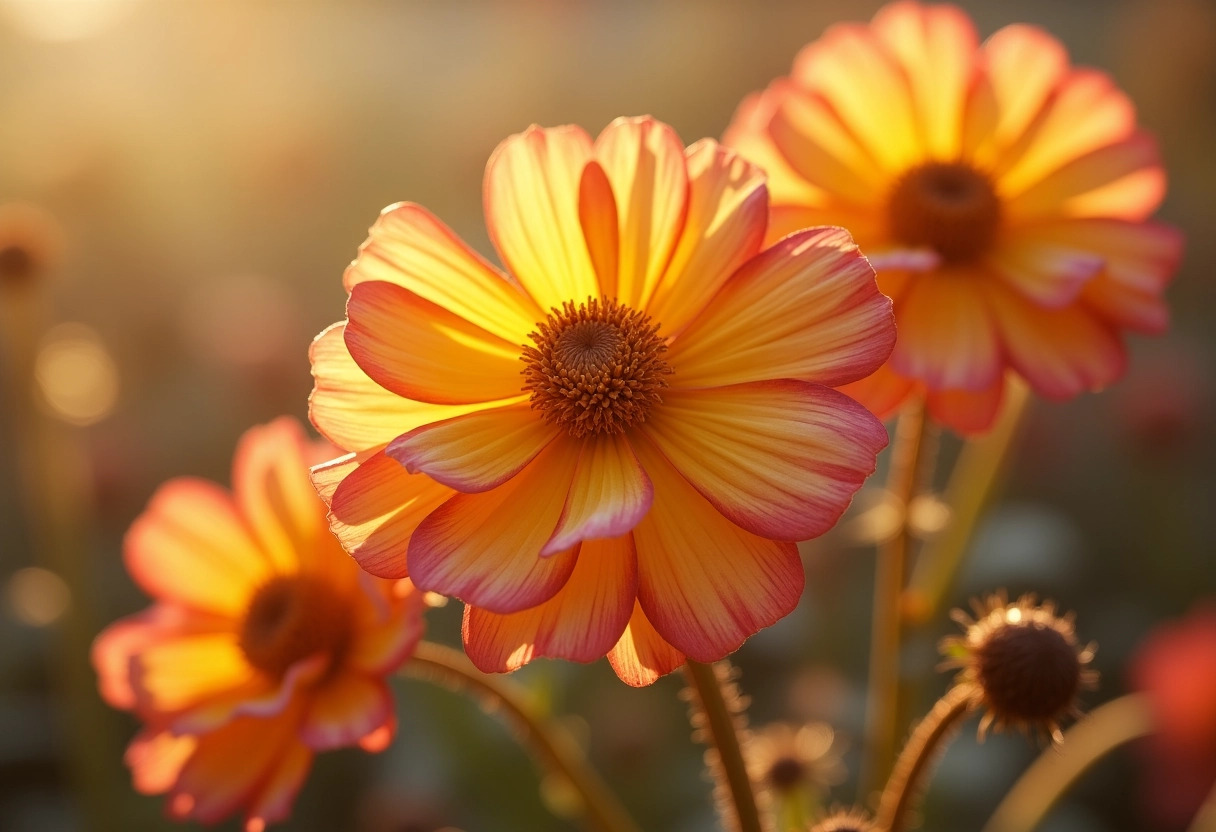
x: 788, y: 759
x: 623, y: 473
x: 1001, y: 194
x: 1176, y: 669
x: 265, y: 644
x: 31, y: 243
x: 1022, y: 661
x: 845, y: 820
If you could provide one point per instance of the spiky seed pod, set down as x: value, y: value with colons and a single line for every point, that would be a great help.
x: 845, y: 820
x: 1022, y: 662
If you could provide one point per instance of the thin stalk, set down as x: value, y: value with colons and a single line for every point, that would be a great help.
x: 551, y: 744
x: 885, y: 633
x: 912, y: 768
x: 1040, y: 786
x: 719, y: 705
x: 971, y: 483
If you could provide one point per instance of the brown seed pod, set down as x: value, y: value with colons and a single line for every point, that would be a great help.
x: 844, y: 820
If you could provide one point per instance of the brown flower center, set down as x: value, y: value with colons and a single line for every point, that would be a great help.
x: 949, y: 207
x: 785, y: 773
x: 1029, y: 672
x: 596, y: 368
x: 16, y: 264
x: 290, y: 618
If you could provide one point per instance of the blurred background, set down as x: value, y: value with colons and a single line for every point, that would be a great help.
x: 182, y: 185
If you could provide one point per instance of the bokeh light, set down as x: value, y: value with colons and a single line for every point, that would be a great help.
x: 36, y: 597
x: 76, y: 376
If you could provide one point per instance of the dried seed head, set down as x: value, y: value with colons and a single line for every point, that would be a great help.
x: 1023, y: 662
x: 851, y: 820
x: 786, y: 758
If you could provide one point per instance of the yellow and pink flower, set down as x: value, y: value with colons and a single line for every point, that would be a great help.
x: 1001, y: 193
x: 609, y: 446
x: 265, y: 645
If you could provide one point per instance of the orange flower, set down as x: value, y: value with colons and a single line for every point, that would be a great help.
x: 265, y: 645
x: 1001, y: 194
x: 624, y: 473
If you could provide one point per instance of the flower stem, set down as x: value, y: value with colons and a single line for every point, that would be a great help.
x: 717, y: 709
x: 883, y: 706
x: 971, y: 482
x: 912, y: 767
x: 551, y: 744
x: 1036, y: 791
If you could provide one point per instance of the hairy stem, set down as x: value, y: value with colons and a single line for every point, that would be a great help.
x: 717, y: 714
x: 1037, y: 790
x: 912, y: 768
x: 552, y: 745
x: 883, y: 705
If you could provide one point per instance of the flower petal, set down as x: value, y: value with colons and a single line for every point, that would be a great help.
x: 171, y: 676
x: 1024, y: 65
x: 485, y: 548
x: 276, y: 794
x: 156, y: 759
x: 1044, y: 271
x: 610, y: 493
x: 580, y: 623
x: 936, y: 46
x: 381, y: 644
x: 597, y: 215
x: 748, y: 133
x: 531, y: 205
x: 882, y: 392
x: 477, y: 451
x: 113, y: 648
x: 191, y: 546
x: 410, y: 247
x: 947, y: 338
x: 727, y: 214
x: 641, y: 656
x: 422, y: 351
x: 271, y: 485
x: 343, y: 710
x: 1139, y: 255
x: 863, y: 82
x: 1060, y: 352
x: 781, y: 459
x: 807, y: 308
x: 705, y: 583
x: 354, y: 412
x: 644, y: 161
x: 966, y: 411
x: 376, y: 509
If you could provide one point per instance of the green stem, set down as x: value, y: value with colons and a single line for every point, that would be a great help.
x: 551, y: 744
x: 1105, y: 729
x: 912, y: 767
x: 885, y: 635
x: 722, y: 727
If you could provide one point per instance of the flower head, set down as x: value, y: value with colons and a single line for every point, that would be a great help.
x: 1023, y: 662
x: 30, y: 243
x: 609, y: 445
x: 787, y: 758
x: 265, y: 644
x: 1001, y: 193
x: 850, y: 820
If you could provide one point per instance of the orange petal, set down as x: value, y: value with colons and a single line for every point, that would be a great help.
x: 1073, y: 188
x: 485, y: 548
x: 867, y: 226
x: 229, y: 766
x: 936, y: 46
x: 782, y: 459
x: 807, y: 308
x: 947, y: 338
x: 966, y: 411
x: 260, y: 697
x: 113, y: 649
x: 272, y: 803
x: 861, y: 79
x: 580, y: 623
x: 376, y: 509
x: 641, y: 655
x: 1045, y: 271
x: 1125, y: 306
x: 808, y: 132
x: 382, y: 643
x: 1060, y: 352
x: 477, y: 451
x: 354, y: 412
x: 748, y: 133
x: 327, y: 476
x: 192, y: 546
x: 344, y: 709
x: 171, y: 676
x: 644, y: 161
x: 410, y: 247
x: 1024, y: 65
x: 882, y: 392
x: 156, y: 759
x: 531, y: 205
x: 422, y: 351
x: 705, y: 583
x: 270, y: 481
x: 610, y: 493
x: 1141, y: 256
x: 597, y: 215
x: 727, y: 213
